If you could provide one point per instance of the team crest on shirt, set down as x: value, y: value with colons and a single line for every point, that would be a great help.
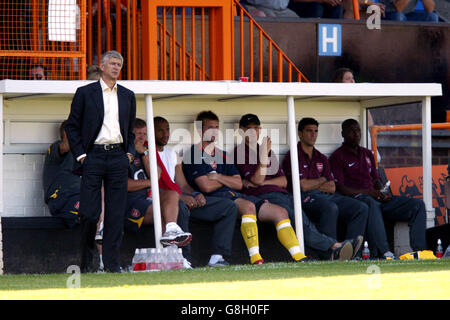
x: 368, y: 161
x: 213, y: 164
x: 135, y: 213
x: 319, y: 166
x: 77, y: 205
x: 137, y: 162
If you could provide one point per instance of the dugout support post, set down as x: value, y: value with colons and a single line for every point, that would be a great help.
x: 153, y: 169
x: 295, y: 172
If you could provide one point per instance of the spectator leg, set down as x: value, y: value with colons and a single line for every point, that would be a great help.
x: 307, y: 9
x: 395, y: 16
x: 422, y: 16
x: 332, y: 12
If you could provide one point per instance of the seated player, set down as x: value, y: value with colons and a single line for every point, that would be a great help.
x: 139, y: 201
x: 356, y: 176
x: 320, y: 201
x: 209, y: 170
x: 220, y: 211
x: 61, y: 185
x: 263, y: 177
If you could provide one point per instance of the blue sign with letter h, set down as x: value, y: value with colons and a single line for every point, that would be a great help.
x: 330, y: 40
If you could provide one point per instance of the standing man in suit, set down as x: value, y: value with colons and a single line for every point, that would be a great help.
x: 100, y: 131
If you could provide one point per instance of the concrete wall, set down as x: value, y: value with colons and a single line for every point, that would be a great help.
x: 399, y: 52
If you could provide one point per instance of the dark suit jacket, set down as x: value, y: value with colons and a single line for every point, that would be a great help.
x: 86, y: 118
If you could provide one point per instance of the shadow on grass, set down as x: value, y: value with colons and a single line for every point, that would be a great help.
x: 269, y: 271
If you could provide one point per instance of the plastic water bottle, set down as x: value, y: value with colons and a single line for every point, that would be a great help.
x: 134, y: 262
x: 141, y: 260
x: 159, y: 263
x: 169, y: 258
x: 447, y: 253
x: 180, y: 259
x: 145, y: 257
x: 439, y: 249
x: 386, y: 187
x: 163, y: 258
x: 151, y: 262
x: 138, y: 263
x: 177, y: 258
x: 171, y: 254
x: 366, y: 252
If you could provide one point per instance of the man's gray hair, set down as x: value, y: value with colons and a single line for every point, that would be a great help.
x: 111, y: 54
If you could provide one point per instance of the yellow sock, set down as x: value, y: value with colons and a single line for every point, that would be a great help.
x: 249, y: 231
x: 288, y: 239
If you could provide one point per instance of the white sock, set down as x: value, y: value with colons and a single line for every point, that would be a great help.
x: 101, y: 262
x: 215, y: 258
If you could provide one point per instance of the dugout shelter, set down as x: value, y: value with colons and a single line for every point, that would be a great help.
x: 31, y: 112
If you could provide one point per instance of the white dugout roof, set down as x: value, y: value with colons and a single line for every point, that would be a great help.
x: 367, y: 94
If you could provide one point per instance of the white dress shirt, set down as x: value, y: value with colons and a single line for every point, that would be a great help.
x: 110, y: 131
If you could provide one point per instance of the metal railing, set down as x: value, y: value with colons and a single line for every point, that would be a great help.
x: 277, y: 60
x: 159, y: 40
x: 355, y: 4
x: 374, y: 130
x: 45, y: 35
x: 192, y: 40
x: 115, y: 24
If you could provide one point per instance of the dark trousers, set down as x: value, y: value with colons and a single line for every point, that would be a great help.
x: 110, y: 168
x: 223, y: 214
x: 397, y: 209
x: 312, y: 237
x: 328, y: 209
x: 412, y: 16
x: 316, y: 10
x: 183, y: 223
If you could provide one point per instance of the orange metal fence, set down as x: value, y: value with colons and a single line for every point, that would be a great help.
x: 210, y: 39
x: 42, y: 39
x: 267, y: 62
x: 116, y: 25
x: 187, y: 40
x: 159, y: 39
x: 401, y: 127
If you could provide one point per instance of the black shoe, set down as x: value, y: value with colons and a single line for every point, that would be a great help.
x: 356, y: 243
x: 114, y: 270
x: 88, y: 248
x: 87, y: 259
x: 344, y: 252
x: 307, y: 259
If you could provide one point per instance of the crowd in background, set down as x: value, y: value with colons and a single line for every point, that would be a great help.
x: 398, y: 10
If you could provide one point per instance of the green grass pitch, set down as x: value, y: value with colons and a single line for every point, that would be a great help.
x: 425, y: 279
